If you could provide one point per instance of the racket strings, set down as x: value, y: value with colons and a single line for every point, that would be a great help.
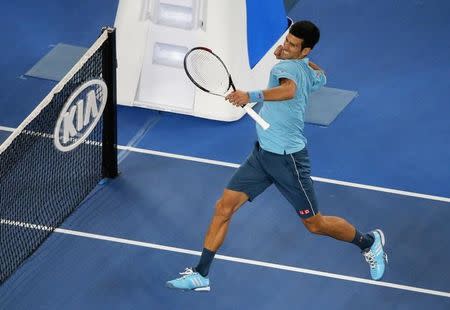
x: 208, y: 71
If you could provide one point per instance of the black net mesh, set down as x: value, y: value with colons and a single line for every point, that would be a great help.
x: 40, y: 185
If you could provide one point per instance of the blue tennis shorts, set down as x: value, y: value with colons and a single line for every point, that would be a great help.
x: 291, y: 174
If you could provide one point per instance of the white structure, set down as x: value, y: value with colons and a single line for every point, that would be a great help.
x: 153, y: 37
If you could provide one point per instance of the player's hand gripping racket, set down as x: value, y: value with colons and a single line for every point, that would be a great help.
x: 208, y: 72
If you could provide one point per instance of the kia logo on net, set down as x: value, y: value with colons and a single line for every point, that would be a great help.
x: 80, y: 115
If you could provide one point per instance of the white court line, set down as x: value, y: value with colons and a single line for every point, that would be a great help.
x: 231, y: 259
x: 7, y: 128
x: 255, y: 262
x: 233, y: 165
x: 176, y: 156
x: 318, y: 179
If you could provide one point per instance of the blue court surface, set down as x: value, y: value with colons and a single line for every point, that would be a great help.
x: 383, y: 163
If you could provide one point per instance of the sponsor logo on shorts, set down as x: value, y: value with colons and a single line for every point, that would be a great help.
x: 304, y: 212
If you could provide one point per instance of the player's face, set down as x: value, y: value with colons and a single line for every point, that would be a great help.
x: 292, y: 48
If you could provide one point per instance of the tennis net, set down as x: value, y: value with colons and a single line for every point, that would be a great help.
x: 59, y: 153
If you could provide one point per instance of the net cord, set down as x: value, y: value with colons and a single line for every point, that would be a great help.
x: 98, y: 43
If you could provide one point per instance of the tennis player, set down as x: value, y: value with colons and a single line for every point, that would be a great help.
x: 280, y: 157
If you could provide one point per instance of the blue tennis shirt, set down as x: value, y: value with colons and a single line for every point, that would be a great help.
x: 287, y: 117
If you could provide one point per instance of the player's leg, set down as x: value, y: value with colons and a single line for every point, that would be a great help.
x: 225, y: 207
x: 371, y: 244
x: 247, y: 182
x: 297, y: 186
x: 196, y: 278
x: 337, y: 228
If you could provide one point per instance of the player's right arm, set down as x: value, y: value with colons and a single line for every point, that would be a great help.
x: 277, y: 51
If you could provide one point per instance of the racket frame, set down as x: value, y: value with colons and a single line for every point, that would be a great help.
x: 247, y: 109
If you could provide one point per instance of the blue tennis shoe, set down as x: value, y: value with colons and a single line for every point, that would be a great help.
x: 375, y: 255
x: 190, y: 280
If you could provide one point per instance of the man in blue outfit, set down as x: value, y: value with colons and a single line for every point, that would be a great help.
x: 280, y: 157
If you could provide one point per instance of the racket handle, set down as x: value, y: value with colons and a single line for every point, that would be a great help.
x: 256, y: 117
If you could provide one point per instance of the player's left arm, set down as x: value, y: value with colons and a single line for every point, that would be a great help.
x: 315, y: 66
x: 320, y: 79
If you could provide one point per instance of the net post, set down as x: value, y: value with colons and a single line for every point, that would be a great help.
x: 109, y: 150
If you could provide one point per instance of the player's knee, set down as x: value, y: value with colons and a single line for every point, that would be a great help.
x: 314, y: 224
x: 229, y: 203
x: 224, y: 209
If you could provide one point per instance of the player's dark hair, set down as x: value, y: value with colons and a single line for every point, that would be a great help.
x: 306, y: 31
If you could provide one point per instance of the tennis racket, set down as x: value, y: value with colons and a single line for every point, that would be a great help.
x: 208, y: 72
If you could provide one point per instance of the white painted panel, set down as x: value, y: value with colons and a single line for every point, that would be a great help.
x: 162, y: 85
